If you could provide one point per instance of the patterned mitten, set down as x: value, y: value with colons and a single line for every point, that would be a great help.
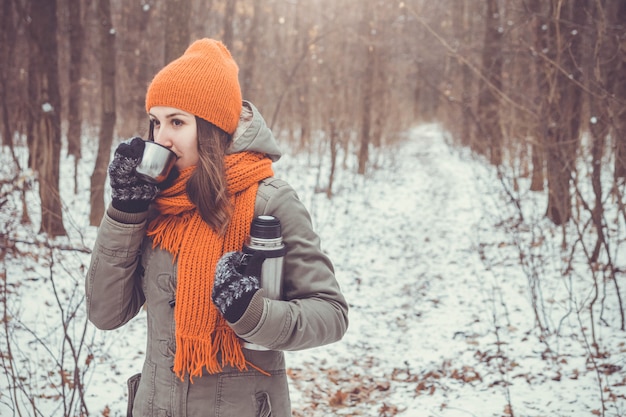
x: 130, y: 193
x: 237, y: 278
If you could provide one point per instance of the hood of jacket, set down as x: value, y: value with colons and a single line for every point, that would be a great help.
x: 253, y: 134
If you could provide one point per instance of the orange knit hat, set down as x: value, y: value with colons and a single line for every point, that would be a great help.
x: 203, y: 81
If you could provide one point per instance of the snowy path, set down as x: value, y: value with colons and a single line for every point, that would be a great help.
x: 440, y: 322
x: 407, y: 271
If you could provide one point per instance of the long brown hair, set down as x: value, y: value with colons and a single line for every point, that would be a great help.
x: 207, y: 187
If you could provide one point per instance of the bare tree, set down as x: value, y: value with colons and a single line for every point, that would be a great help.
x: 74, y: 115
x: 302, y: 90
x: 491, y: 85
x: 138, y: 59
x: 228, y: 22
x: 367, y: 33
x: 542, y: 70
x: 8, y: 40
x: 107, y: 106
x: 565, y: 104
x: 177, y: 13
x: 251, y: 47
x: 460, y: 71
x: 616, y: 14
x: 45, y: 101
x: 10, y: 99
x: 603, y: 46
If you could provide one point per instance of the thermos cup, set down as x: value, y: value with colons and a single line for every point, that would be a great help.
x: 266, y: 236
x: 156, y: 163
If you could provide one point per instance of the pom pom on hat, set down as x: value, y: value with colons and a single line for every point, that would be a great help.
x: 203, y: 81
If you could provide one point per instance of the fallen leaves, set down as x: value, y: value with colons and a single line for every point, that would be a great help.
x: 609, y: 368
x: 466, y: 374
x: 355, y: 389
x: 333, y: 389
x: 429, y: 381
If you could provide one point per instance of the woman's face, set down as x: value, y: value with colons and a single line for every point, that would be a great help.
x: 176, y: 130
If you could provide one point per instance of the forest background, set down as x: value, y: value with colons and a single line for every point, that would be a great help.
x: 536, y: 88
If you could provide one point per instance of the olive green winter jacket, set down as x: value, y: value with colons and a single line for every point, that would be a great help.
x: 126, y: 273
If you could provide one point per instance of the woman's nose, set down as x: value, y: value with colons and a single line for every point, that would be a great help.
x: 162, y: 138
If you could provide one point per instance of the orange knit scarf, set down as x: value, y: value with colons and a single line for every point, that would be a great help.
x: 202, y: 334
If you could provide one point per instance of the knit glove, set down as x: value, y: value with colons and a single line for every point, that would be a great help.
x: 237, y: 278
x: 130, y: 193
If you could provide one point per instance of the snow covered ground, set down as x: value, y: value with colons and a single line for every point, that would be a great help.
x: 443, y: 322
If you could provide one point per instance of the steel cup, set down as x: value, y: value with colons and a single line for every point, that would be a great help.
x: 156, y: 163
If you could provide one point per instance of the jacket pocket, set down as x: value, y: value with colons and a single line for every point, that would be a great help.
x: 253, y: 394
x: 133, y: 384
x: 263, y: 405
x: 143, y: 403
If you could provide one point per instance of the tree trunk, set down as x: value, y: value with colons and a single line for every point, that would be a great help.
x: 302, y: 90
x: 107, y: 114
x: 543, y: 72
x: 599, y: 131
x: 603, y: 53
x: 249, y: 60
x: 617, y: 17
x: 33, y: 100
x: 599, y: 128
x: 46, y: 111
x: 7, y: 50
x: 229, y: 20
x: 488, y: 102
x: 74, y: 117
x: 537, y: 158
x: 461, y: 73
x: 368, y: 81
x: 142, y: 70
x: 566, y: 107
x: 177, y: 16
x: 132, y: 119
x: 334, y: 148
x: 8, y: 41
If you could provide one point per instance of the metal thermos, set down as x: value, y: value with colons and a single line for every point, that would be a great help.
x: 266, y: 236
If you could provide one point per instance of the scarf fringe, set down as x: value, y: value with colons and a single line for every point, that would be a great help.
x: 168, y: 232
x: 194, y: 354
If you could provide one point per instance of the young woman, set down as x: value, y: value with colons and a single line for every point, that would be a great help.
x: 176, y: 248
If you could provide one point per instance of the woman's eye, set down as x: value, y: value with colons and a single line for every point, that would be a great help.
x: 155, y: 123
x: 177, y: 122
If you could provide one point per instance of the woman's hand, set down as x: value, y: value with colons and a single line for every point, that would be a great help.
x: 237, y: 279
x: 130, y: 193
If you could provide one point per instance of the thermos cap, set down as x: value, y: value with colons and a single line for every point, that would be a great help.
x: 265, y: 227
